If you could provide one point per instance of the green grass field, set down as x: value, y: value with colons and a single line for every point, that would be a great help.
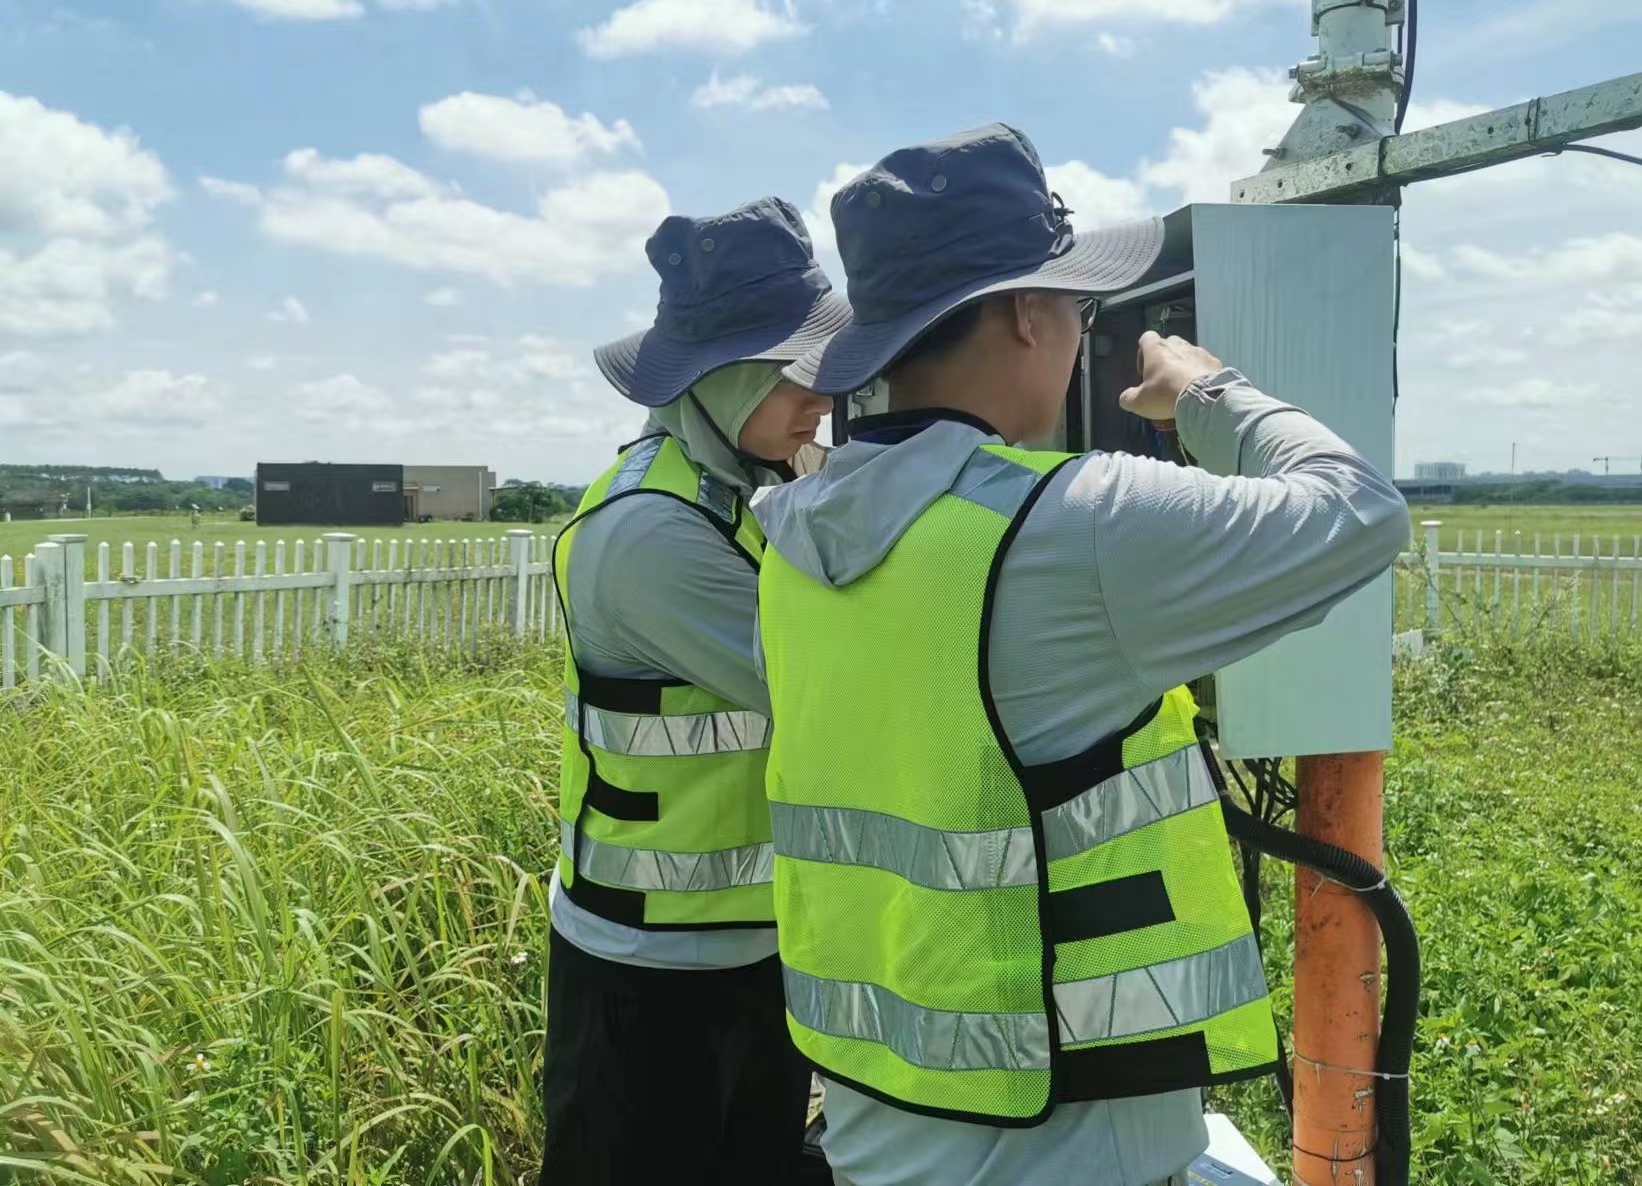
x: 288, y: 925
x: 1589, y: 523
x: 16, y: 539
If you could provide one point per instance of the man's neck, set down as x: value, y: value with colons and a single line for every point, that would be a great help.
x: 965, y: 398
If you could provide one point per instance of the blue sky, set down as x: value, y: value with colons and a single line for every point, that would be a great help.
x: 234, y: 230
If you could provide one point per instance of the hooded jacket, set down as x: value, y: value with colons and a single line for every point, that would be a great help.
x: 1129, y: 576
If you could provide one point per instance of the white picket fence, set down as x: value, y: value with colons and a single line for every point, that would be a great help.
x: 269, y: 601
x: 262, y: 602
x: 1589, y: 587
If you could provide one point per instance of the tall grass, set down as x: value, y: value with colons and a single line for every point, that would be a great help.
x: 287, y: 925
x: 1513, y: 828
x: 277, y: 926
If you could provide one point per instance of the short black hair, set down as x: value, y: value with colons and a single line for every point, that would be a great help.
x: 943, y: 337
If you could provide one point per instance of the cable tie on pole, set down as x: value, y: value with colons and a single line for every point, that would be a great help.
x: 1324, y: 1066
x: 1383, y: 883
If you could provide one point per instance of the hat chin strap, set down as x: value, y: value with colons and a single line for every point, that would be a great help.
x: 781, y: 469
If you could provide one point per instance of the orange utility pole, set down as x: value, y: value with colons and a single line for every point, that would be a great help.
x: 1336, y: 976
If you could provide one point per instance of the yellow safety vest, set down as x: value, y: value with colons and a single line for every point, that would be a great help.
x: 661, y: 788
x: 961, y: 934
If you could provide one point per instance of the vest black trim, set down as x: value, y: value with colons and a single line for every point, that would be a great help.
x: 639, y: 697
x: 1145, y: 1068
x: 1083, y: 1075
x: 619, y: 803
x: 1040, y: 848
x: 1110, y: 907
x: 1054, y: 783
x: 626, y: 908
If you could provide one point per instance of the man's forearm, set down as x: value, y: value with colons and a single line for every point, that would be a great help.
x: 1232, y: 427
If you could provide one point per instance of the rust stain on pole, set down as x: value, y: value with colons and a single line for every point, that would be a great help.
x: 1336, y: 976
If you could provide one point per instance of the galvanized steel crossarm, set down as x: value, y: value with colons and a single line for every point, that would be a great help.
x: 1461, y: 146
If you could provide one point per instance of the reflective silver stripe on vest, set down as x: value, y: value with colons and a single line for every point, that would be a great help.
x: 1126, y: 801
x: 1163, y: 996
x: 1125, y: 1005
x: 995, y: 483
x: 925, y: 856
x: 931, y: 1038
x: 716, y: 496
x: 635, y: 463
x: 673, y: 872
x: 670, y: 737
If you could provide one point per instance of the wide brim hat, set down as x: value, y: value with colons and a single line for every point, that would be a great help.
x: 931, y: 229
x: 740, y: 287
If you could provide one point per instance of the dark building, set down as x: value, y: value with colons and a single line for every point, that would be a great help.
x: 319, y: 494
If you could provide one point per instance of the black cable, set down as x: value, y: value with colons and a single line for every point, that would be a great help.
x: 1394, y: 1142
x: 1595, y: 151
x: 1397, y: 309
x: 1410, y: 57
x: 1257, y: 800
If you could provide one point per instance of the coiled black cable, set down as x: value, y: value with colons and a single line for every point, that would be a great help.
x: 1394, y: 1144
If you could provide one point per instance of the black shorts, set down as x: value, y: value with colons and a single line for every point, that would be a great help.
x: 655, y: 1077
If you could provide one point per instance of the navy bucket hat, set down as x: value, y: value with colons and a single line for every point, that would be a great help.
x: 931, y: 228
x: 740, y: 287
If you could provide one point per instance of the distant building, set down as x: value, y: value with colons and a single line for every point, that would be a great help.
x: 460, y: 492
x: 1439, y: 471
x: 316, y: 494
x: 320, y: 494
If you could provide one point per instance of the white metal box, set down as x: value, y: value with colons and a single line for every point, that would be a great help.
x: 1301, y: 300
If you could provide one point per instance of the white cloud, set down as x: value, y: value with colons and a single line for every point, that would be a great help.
x: 232, y: 191
x: 1577, y: 263
x: 291, y: 312
x: 1420, y: 265
x: 60, y: 176
x: 718, y: 26
x: 205, y: 300
x: 533, y: 358
x: 1533, y: 393
x: 304, y: 10
x: 444, y: 298
x: 588, y: 227
x: 1117, y: 47
x: 745, y: 90
x: 76, y: 204
x: 1096, y: 199
x: 69, y: 287
x: 368, y: 175
x: 531, y: 406
x: 156, y: 399
x: 59, y: 405
x: 535, y: 388
x: 1033, y: 17
x: 342, y: 401
x: 1536, y: 318
x: 980, y: 21
x: 818, y: 217
x: 1530, y: 27
x: 1244, y: 111
x: 522, y: 129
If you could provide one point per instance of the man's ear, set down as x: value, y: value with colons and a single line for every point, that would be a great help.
x: 1028, y: 314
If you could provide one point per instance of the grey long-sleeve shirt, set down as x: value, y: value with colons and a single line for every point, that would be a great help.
x: 1128, y: 577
